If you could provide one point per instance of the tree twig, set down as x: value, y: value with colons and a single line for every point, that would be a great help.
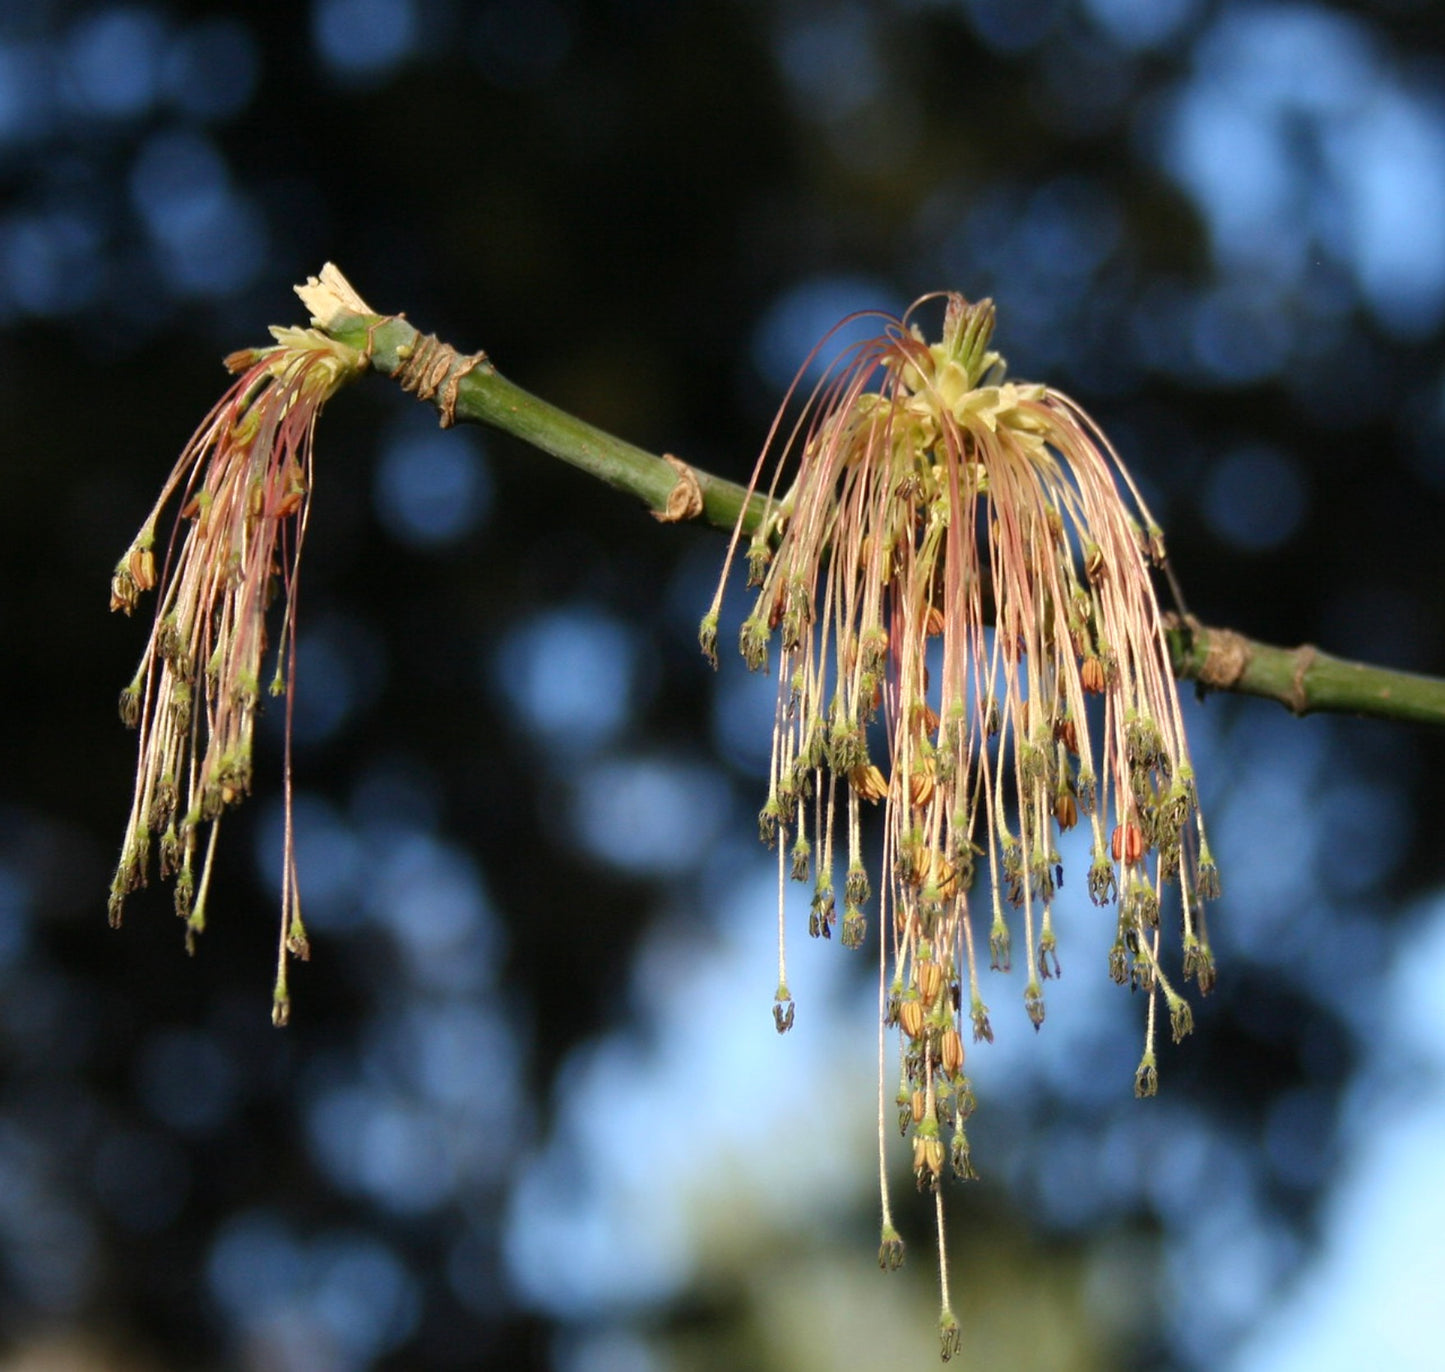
x: 1303, y: 679
x: 480, y: 394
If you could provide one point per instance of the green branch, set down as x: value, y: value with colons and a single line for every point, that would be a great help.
x: 1302, y: 679
x: 480, y: 394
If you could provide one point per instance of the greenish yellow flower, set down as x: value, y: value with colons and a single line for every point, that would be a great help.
x: 244, y: 485
x: 957, y: 587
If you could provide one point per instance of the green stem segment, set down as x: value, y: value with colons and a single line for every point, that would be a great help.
x: 1302, y: 679
x: 484, y: 396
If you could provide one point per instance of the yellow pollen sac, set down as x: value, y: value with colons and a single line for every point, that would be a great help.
x: 868, y: 782
x: 1067, y: 734
x: 921, y: 784
x: 950, y: 1053
x: 942, y: 874
x: 123, y: 591
x: 142, y: 565
x: 910, y: 1016
x: 1128, y: 844
x: 927, y: 1153
x: 243, y: 359
x: 930, y: 982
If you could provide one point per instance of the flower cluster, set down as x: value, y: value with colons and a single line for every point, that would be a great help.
x: 950, y: 578
x: 244, y: 482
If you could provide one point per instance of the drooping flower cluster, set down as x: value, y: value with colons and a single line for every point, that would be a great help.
x: 244, y: 483
x: 950, y: 578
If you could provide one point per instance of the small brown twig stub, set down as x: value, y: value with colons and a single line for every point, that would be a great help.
x: 684, y: 500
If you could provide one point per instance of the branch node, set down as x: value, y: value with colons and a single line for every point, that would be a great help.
x: 1304, y: 659
x: 433, y: 370
x: 684, y: 500
x: 1226, y: 656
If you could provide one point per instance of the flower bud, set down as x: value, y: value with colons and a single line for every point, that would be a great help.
x: 890, y: 1250
x: 1181, y: 1017
x: 1146, y: 1078
x: 1034, y: 1004
x: 961, y: 1158
x: 783, y: 1010
x: 759, y: 556
x: 1199, y: 963
x: 130, y: 705
x: 802, y: 852
x: 982, y: 1028
x: 1000, y: 945
x: 707, y: 636
x: 950, y: 1337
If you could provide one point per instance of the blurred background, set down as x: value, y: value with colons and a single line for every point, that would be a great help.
x: 531, y: 1109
